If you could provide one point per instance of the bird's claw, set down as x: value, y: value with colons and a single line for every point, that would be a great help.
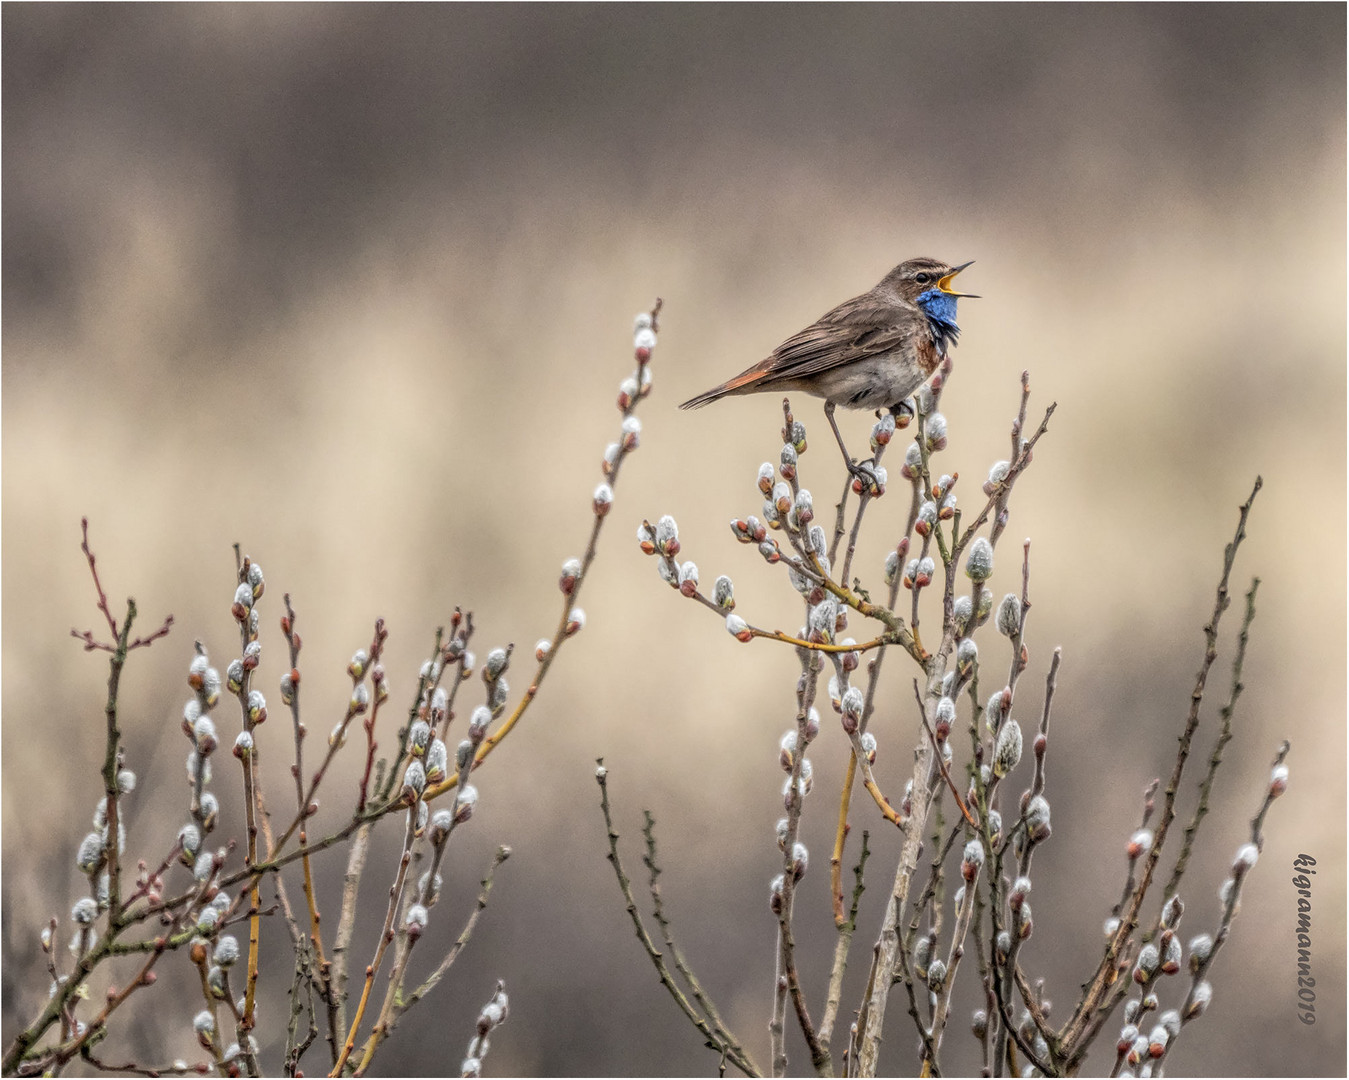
x: 858, y: 469
x: 864, y: 477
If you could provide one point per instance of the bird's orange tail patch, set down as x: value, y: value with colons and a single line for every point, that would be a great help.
x: 743, y: 379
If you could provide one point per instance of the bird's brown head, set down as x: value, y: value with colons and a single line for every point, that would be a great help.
x: 913, y: 278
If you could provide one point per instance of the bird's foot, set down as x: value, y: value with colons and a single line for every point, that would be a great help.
x: 867, y: 477
x: 858, y: 469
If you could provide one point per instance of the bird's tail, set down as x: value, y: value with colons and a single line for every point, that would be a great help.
x: 741, y: 384
x: 705, y: 398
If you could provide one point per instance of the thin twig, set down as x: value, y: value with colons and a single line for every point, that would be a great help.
x: 681, y: 965
x: 385, y: 937
x: 846, y: 928
x: 429, y: 983
x: 737, y: 1057
x: 1224, y: 735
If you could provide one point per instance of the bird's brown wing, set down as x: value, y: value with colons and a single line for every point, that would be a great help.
x: 858, y: 328
x: 863, y: 326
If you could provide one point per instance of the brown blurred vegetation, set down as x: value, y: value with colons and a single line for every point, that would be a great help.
x: 352, y: 286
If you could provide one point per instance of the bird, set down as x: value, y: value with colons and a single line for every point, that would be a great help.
x: 870, y: 352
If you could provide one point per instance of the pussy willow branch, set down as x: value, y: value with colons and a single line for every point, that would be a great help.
x: 953, y: 957
x: 304, y: 978
x: 998, y: 500
x: 1051, y: 684
x: 938, y: 759
x: 87, y: 636
x: 1045, y: 1068
x: 819, y: 1057
x: 117, y: 920
x: 465, y: 636
x: 787, y: 983
x: 1119, y: 993
x: 1005, y: 970
x: 998, y: 889
x: 1098, y: 985
x: 249, y: 762
x: 55, y: 1058
x: 212, y: 1005
x: 301, y: 806
x: 112, y: 761
x: 925, y: 472
x: 864, y: 499
x: 255, y: 867
x: 823, y: 647
x: 98, y: 585
x: 930, y: 1067
x: 1034, y: 1009
x: 426, y: 686
x: 1201, y: 967
x: 394, y: 991
x: 176, y: 1068
x: 886, y: 960
x: 1001, y: 497
x: 930, y: 887
x: 385, y: 937
x: 840, y: 836
x: 295, y: 1044
x: 429, y: 983
x: 907, y: 975
x: 807, y: 563
x: 873, y: 681
x: 338, y: 739
x: 1017, y: 663
x: 299, y: 945
x: 346, y: 925
x: 1131, y: 881
x: 560, y: 636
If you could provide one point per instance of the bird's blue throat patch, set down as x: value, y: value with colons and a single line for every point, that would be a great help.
x: 940, y: 309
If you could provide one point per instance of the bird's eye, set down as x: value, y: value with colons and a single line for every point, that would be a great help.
x: 922, y: 277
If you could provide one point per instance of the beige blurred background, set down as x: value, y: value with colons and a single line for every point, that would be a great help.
x: 353, y: 286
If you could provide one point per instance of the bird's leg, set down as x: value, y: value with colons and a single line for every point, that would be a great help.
x: 853, y: 468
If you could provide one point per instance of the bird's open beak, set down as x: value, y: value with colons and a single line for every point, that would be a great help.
x: 945, y: 283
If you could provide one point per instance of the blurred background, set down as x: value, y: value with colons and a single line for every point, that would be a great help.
x: 353, y: 287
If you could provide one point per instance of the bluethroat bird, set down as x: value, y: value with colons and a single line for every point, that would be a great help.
x: 870, y: 352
